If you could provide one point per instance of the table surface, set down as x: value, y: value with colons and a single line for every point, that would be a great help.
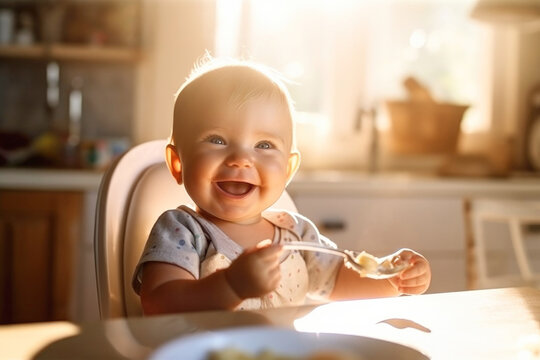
x: 480, y: 324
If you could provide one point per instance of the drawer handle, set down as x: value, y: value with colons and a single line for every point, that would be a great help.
x: 332, y: 225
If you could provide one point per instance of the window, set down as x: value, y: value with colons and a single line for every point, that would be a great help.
x: 344, y: 55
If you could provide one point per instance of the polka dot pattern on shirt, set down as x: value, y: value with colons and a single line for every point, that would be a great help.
x: 182, y: 242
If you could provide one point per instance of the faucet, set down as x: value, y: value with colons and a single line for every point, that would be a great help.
x: 53, y: 89
x: 368, y: 116
x: 75, y: 112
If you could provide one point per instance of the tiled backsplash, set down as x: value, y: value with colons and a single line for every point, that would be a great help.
x: 22, y: 100
x: 107, y: 93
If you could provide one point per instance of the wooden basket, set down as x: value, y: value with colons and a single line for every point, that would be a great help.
x: 421, y: 127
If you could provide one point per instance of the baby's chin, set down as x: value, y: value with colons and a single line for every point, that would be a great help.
x: 231, y: 216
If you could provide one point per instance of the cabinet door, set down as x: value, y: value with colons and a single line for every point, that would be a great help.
x: 38, y: 235
x: 382, y: 225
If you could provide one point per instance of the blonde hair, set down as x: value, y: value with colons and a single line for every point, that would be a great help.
x: 236, y: 81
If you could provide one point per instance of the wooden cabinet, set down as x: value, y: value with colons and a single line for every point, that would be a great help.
x: 39, y: 233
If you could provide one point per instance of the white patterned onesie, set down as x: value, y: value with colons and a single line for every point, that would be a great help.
x: 184, y: 238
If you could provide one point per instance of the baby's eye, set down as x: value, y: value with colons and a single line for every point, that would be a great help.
x: 214, y: 139
x: 265, y: 145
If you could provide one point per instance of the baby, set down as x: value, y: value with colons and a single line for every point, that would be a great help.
x: 232, y: 147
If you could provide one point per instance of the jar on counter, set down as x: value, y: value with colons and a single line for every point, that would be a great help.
x: 25, y: 35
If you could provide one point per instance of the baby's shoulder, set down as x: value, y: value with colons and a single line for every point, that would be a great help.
x: 180, y: 217
x: 179, y: 214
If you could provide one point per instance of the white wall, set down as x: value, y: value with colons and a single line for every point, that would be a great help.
x: 175, y: 35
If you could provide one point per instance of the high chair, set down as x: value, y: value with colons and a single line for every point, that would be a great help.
x: 516, y: 214
x: 134, y: 191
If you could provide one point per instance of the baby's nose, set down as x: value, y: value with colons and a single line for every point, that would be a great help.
x: 240, y: 158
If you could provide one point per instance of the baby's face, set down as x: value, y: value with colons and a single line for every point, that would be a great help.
x: 235, y: 159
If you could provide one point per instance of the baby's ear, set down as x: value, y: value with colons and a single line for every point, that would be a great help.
x: 174, y: 163
x: 293, y: 165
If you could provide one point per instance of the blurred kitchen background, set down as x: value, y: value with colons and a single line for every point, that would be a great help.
x: 407, y: 110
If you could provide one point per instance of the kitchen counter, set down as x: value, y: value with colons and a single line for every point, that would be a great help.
x: 329, y: 182
x: 411, y: 184
x: 49, y: 179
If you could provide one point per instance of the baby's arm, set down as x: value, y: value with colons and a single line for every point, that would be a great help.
x: 349, y: 285
x: 413, y: 280
x: 168, y: 288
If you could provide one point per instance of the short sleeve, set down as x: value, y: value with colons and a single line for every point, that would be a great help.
x: 176, y: 238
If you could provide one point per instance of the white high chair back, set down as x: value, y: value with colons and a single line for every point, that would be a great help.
x: 134, y: 191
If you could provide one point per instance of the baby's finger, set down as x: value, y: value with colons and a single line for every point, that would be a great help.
x: 270, y: 255
x: 413, y: 271
x: 413, y: 290
x: 421, y: 280
x: 405, y: 255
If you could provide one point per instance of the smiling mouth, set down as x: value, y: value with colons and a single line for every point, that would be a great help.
x: 236, y: 188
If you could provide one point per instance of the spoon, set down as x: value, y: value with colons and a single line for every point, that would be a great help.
x: 363, y: 263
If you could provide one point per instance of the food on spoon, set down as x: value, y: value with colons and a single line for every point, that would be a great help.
x: 371, y: 266
x: 383, y: 266
x: 386, y: 265
x: 369, y: 262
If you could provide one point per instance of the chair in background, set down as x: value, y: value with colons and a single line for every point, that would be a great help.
x: 134, y: 191
x: 516, y: 214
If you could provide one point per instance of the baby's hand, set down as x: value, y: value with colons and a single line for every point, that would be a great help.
x: 256, y: 271
x: 415, y: 279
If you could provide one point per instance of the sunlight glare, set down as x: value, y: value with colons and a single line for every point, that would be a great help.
x: 316, y: 124
x: 418, y: 38
x: 294, y: 70
x: 227, y: 27
x: 331, y: 318
x: 434, y: 41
